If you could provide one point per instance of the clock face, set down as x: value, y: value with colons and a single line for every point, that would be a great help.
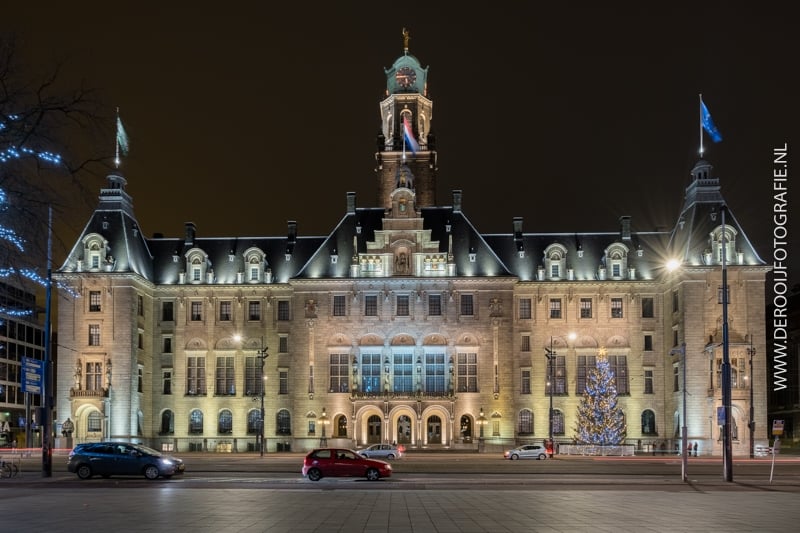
x: 406, y: 77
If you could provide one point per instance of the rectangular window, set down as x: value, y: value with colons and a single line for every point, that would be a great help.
x: 94, y: 301
x: 371, y: 373
x: 94, y: 334
x: 648, y: 382
x: 467, y: 372
x: 283, y: 309
x: 558, y: 373
x: 197, y: 311
x: 140, y: 340
x: 94, y: 376
x: 585, y: 365
x: 167, y: 312
x: 195, y: 375
x: 402, y: 305
x: 616, y: 307
x: 648, y: 309
x: 586, y: 307
x: 676, y: 381
x: 339, y: 305
x: 675, y: 337
x: 140, y: 305
x: 675, y: 302
x: 255, y: 273
x: 525, y: 345
x: 648, y: 343
x: 225, y: 311
x: 166, y: 381
x: 619, y: 366
x: 252, y: 376
x: 434, y: 373
x: 140, y: 380
x: 616, y: 270
x: 403, y: 372
x: 339, y: 369
x: 435, y: 304
x: 225, y: 379
x: 370, y: 305
x: 166, y: 345
x: 467, y: 305
x: 555, y: 307
x: 253, y: 310
x: 526, y: 382
x: 524, y: 308
x: 283, y: 382
x: 554, y: 270
x: 283, y: 344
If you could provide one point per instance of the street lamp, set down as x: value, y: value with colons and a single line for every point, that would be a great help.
x: 684, y: 444
x: 323, y: 421
x: 751, y: 425
x: 481, y: 423
x: 262, y: 355
x: 727, y: 450
x: 550, y: 354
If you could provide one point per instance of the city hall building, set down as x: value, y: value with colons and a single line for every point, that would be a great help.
x: 405, y: 323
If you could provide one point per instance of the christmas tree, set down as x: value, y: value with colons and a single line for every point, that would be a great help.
x: 600, y: 420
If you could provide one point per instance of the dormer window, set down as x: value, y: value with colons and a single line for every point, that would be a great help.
x: 196, y: 265
x: 94, y: 251
x: 616, y: 260
x: 255, y: 264
x: 555, y: 261
x: 729, y: 240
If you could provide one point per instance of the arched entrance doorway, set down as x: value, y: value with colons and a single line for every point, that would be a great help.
x: 434, y: 427
x: 403, y: 430
x: 374, y: 429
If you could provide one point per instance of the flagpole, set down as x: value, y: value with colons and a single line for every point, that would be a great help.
x: 116, y: 141
x: 700, y: 122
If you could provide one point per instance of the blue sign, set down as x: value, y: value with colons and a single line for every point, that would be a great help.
x: 721, y: 418
x: 33, y: 372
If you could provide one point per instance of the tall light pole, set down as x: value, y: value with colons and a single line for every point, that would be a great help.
x: 684, y: 437
x: 727, y: 450
x: 481, y: 423
x: 550, y: 354
x: 323, y: 421
x: 262, y: 355
x: 751, y: 425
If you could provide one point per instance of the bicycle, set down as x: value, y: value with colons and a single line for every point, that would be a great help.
x: 7, y: 469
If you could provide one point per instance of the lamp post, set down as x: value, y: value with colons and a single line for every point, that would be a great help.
x: 481, y: 423
x: 323, y: 420
x: 108, y: 400
x: 727, y: 450
x: 751, y: 425
x: 262, y: 355
x: 550, y: 354
x: 684, y: 444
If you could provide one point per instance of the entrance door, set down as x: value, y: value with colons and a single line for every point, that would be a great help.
x: 374, y: 429
x: 434, y: 430
x: 404, y: 430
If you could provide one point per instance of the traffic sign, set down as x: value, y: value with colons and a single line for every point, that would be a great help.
x: 777, y: 427
x: 32, y: 370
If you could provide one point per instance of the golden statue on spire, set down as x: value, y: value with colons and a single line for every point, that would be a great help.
x: 405, y: 39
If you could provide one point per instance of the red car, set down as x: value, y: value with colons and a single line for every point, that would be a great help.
x: 341, y: 462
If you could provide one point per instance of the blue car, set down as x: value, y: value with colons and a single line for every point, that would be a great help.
x: 121, y: 459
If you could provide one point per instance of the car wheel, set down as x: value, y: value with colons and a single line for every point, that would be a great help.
x: 84, y: 471
x: 390, y: 456
x: 542, y: 456
x: 373, y: 474
x: 151, y: 472
x: 314, y: 474
x: 514, y: 456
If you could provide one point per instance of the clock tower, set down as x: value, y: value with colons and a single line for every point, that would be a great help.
x: 406, y: 155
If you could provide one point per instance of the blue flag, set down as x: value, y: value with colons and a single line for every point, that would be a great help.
x: 708, y: 124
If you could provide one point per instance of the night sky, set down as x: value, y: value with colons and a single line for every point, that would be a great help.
x: 241, y: 118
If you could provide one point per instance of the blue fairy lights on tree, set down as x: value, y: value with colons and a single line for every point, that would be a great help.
x: 600, y: 419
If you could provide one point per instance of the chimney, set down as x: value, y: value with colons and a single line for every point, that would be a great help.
x: 191, y: 231
x: 457, y: 201
x: 625, y: 227
x: 292, y: 235
x: 351, y: 203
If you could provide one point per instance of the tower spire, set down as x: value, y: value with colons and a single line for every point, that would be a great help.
x: 405, y: 41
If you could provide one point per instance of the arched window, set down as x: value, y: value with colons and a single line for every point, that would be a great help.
x: 649, y: 423
x: 225, y: 422
x: 167, y: 423
x: 253, y: 422
x: 341, y: 426
x: 558, y: 422
x: 283, y: 422
x: 525, y: 424
x: 95, y: 422
x: 196, y: 422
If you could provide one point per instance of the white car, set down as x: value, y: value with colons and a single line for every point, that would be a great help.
x: 383, y: 451
x: 529, y: 451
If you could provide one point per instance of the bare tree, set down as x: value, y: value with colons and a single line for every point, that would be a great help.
x: 46, y: 140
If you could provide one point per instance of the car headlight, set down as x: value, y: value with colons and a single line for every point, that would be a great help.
x: 167, y: 462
